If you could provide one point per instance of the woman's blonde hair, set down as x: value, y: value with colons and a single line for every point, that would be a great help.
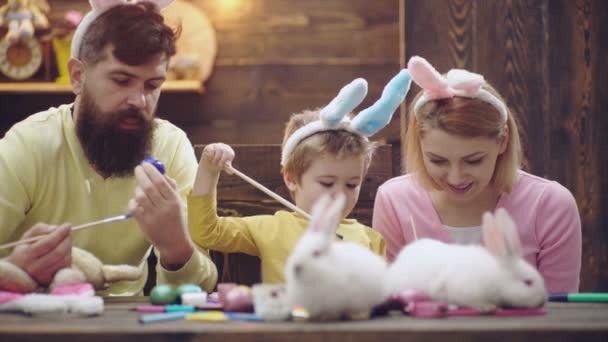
x: 464, y: 117
x: 340, y: 143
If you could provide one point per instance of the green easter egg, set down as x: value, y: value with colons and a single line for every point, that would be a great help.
x: 187, y: 288
x: 163, y: 294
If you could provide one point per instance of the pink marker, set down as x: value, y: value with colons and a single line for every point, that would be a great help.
x: 499, y: 312
x: 150, y: 308
x: 427, y: 309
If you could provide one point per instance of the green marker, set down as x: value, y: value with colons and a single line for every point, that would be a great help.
x: 579, y: 297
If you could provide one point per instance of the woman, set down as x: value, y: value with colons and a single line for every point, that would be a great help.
x: 463, y: 159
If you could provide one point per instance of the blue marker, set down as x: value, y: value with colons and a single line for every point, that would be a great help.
x: 243, y: 316
x: 166, y: 316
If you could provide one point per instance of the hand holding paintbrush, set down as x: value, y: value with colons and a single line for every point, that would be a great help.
x: 157, y: 164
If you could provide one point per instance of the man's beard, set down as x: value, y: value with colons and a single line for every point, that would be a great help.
x: 112, y: 151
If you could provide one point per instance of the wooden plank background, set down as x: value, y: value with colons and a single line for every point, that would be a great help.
x: 548, y: 58
x: 275, y: 58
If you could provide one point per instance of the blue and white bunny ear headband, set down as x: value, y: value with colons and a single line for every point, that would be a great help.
x: 367, y: 122
x: 98, y: 7
x: 457, y: 82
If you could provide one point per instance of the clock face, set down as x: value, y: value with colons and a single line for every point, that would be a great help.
x: 20, y: 60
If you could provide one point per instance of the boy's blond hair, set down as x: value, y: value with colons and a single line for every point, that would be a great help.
x: 464, y: 117
x: 340, y: 143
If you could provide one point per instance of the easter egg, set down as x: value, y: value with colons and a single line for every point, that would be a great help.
x: 156, y: 163
x: 187, y: 288
x: 163, y: 294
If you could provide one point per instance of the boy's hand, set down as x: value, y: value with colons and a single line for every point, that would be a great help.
x: 216, y: 156
x: 43, y: 258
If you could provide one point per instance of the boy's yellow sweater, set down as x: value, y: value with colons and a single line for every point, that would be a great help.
x: 271, y: 237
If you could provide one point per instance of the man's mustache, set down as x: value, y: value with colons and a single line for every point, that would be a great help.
x: 131, y: 114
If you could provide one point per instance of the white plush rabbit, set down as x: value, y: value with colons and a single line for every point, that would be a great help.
x: 333, y: 280
x: 471, y: 276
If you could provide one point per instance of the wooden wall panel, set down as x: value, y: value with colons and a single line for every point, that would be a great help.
x: 251, y: 97
x: 441, y: 31
x: 595, y: 140
x: 275, y: 57
x: 305, y: 32
x: 576, y: 123
x: 510, y: 51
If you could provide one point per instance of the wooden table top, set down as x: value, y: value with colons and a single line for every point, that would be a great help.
x: 562, y: 322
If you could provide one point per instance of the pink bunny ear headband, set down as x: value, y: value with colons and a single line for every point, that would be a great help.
x: 458, y: 82
x: 367, y: 122
x: 98, y: 7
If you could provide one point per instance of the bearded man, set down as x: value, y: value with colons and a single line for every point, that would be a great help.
x: 81, y: 162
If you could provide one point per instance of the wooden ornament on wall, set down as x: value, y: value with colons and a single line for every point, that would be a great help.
x: 197, y: 44
x: 27, y: 60
x: 21, y: 60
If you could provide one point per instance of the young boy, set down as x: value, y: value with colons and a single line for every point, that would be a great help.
x: 322, y: 152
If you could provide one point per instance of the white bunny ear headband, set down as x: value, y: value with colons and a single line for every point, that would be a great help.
x: 458, y: 82
x: 366, y: 123
x: 98, y: 7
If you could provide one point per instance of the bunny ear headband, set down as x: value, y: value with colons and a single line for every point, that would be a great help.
x: 458, y: 82
x: 98, y: 7
x: 366, y: 123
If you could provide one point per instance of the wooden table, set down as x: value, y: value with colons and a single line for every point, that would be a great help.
x: 563, y: 322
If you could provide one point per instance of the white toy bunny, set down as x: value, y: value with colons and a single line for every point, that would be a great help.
x: 471, y: 276
x: 332, y: 280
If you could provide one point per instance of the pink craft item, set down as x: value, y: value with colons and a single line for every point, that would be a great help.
x: 499, y: 312
x: 239, y: 299
x: 7, y: 297
x: 427, y: 309
x: 75, y: 289
x: 223, y: 289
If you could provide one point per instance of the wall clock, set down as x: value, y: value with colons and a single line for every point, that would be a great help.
x: 20, y: 60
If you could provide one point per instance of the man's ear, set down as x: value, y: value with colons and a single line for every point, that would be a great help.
x: 290, y: 182
x: 76, y: 71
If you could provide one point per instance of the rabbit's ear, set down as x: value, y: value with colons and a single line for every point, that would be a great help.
x: 161, y: 3
x: 349, y: 97
x: 318, y: 213
x: 500, y: 235
x: 492, y: 237
x: 326, y: 214
x: 333, y: 215
x: 102, y: 5
x: 372, y: 119
x: 510, y: 235
x: 465, y: 80
x: 428, y: 78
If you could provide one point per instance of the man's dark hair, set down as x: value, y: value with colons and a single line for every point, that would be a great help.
x: 137, y: 33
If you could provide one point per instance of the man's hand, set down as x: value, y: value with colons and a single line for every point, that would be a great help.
x: 43, y: 258
x: 159, y: 212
